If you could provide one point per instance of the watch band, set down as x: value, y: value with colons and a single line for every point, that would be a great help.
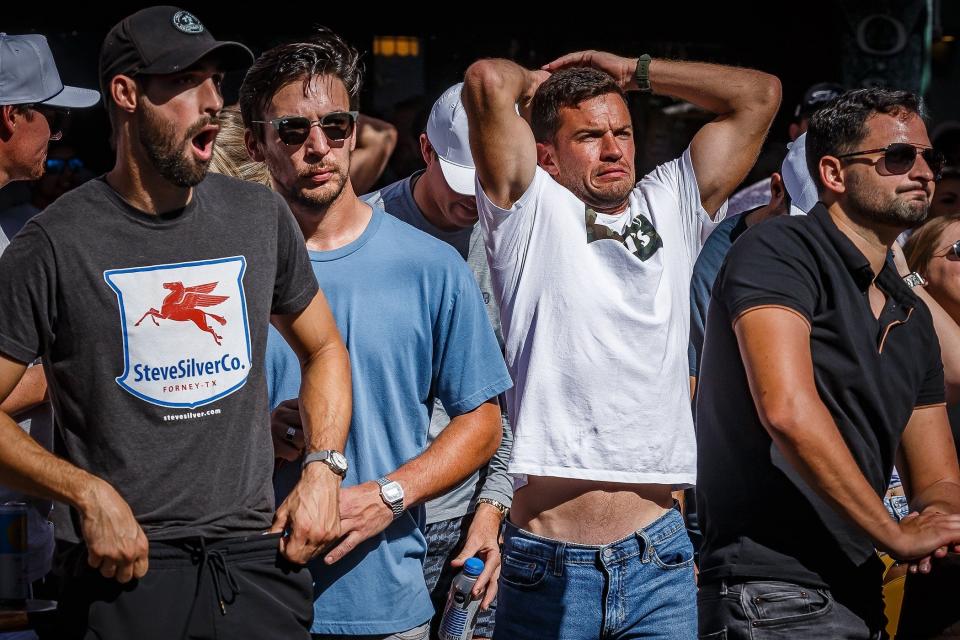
x: 323, y: 456
x: 914, y: 279
x: 396, y: 507
x: 642, y: 73
x: 499, y: 506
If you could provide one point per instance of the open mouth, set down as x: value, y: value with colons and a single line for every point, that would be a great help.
x: 203, y: 142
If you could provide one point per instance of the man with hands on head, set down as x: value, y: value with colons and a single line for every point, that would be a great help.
x: 585, y: 257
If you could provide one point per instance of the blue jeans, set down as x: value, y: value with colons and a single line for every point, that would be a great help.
x: 776, y: 610
x: 639, y: 587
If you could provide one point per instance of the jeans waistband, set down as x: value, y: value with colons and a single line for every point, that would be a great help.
x: 637, y: 543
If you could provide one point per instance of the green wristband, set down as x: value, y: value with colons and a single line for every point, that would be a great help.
x: 642, y: 74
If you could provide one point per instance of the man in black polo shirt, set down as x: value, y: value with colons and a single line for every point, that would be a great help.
x: 821, y: 368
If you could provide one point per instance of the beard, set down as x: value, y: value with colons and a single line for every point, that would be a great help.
x: 316, y: 198
x: 887, y: 208
x: 166, y: 152
x: 603, y: 197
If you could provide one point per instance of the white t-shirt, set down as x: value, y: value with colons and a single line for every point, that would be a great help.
x: 596, y: 337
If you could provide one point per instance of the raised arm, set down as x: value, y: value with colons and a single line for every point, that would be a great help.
x: 745, y: 102
x: 501, y: 141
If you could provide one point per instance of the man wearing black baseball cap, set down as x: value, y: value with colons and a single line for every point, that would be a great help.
x: 149, y: 304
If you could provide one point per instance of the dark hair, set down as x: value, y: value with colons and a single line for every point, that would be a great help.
x: 840, y: 126
x: 324, y: 53
x: 567, y: 88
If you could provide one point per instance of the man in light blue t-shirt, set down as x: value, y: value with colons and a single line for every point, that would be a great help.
x: 441, y: 200
x: 416, y: 328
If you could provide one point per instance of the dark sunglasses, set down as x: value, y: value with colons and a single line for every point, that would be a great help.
x: 899, y: 157
x: 336, y: 126
x: 59, y: 165
x: 56, y: 119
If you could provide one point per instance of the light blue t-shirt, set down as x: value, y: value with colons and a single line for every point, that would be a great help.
x: 492, y: 481
x: 414, y: 322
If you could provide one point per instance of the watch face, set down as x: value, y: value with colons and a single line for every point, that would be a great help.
x: 338, y: 460
x: 392, y: 492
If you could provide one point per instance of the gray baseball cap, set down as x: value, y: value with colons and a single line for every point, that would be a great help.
x: 28, y: 75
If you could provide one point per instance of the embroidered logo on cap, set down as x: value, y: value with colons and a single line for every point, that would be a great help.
x: 187, y: 22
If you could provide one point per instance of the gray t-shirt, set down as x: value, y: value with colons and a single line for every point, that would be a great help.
x: 38, y: 422
x: 491, y: 481
x: 152, y: 332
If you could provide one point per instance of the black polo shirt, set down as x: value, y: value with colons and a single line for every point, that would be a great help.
x: 760, y: 519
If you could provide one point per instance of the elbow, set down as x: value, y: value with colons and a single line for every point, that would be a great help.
x: 483, y: 83
x: 782, y: 418
x: 766, y: 93
x: 492, y: 443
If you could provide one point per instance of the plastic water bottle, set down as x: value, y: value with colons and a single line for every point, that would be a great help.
x: 460, y: 614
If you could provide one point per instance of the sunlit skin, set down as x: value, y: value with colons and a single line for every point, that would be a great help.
x: 872, y: 192
x: 178, y: 120
x: 592, y: 153
x: 312, y: 175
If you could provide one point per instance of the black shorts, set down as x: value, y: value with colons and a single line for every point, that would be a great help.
x: 233, y: 588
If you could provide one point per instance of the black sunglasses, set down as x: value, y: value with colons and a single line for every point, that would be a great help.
x: 56, y: 119
x: 899, y: 157
x: 336, y: 126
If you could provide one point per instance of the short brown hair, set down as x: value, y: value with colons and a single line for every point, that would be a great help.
x: 567, y: 88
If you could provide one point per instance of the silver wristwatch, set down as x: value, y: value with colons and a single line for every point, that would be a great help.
x: 914, y: 280
x: 392, y: 494
x: 333, y: 459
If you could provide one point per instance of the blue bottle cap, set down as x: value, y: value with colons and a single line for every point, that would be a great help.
x: 473, y: 567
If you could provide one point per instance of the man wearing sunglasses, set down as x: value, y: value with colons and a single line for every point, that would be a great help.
x: 821, y: 369
x: 149, y: 299
x: 416, y: 328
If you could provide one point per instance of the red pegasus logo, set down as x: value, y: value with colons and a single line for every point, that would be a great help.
x: 181, y: 305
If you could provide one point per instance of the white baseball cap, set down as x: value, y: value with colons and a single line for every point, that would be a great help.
x: 796, y: 178
x: 28, y: 75
x: 449, y: 136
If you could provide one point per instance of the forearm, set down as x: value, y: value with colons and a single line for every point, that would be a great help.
x: 942, y: 497
x: 464, y: 445
x: 498, y: 485
x: 814, y: 447
x: 376, y: 141
x: 326, y: 398
x: 27, y: 467
x: 29, y: 392
x: 718, y: 89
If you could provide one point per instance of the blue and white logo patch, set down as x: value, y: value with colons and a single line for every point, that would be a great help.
x: 186, y: 337
x: 187, y: 22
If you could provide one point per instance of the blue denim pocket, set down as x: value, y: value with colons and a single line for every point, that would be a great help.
x: 520, y: 570
x: 673, y: 552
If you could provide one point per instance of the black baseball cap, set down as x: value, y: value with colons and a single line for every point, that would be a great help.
x: 163, y: 39
x: 816, y: 97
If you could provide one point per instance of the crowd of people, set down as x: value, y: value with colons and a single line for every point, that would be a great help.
x: 250, y: 392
